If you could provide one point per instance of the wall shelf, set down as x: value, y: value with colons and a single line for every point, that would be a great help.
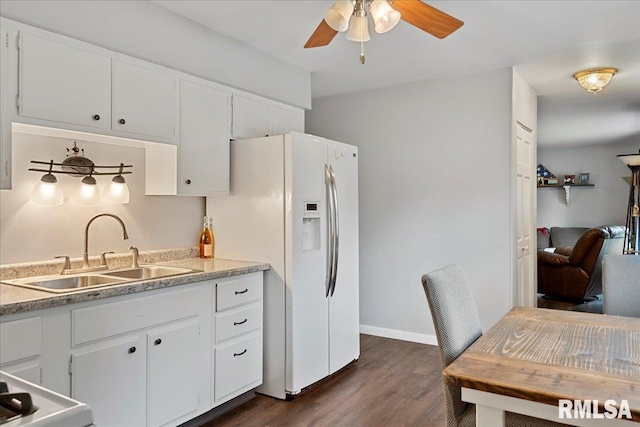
x: 566, y: 187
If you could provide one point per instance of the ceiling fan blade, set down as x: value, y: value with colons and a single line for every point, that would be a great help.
x: 322, y: 36
x: 427, y: 18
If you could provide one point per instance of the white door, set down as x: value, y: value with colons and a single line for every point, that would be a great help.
x: 63, y: 83
x: 112, y: 379
x: 144, y: 101
x: 204, y: 142
x: 344, y: 321
x: 250, y: 117
x: 526, y: 286
x: 307, y: 328
x: 173, y: 372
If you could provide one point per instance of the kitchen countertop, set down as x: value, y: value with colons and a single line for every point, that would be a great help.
x: 16, y: 299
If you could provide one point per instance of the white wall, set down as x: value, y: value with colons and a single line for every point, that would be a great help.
x: 435, y: 176
x: 603, y: 204
x: 37, y: 233
x: 150, y: 32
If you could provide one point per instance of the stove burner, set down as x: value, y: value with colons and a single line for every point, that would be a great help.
x: 14, y: 405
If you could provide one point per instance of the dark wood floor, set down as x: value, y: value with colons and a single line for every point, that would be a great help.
x: 395, y: 383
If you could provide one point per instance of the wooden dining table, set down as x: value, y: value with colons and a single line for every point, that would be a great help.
x: 544, y: 363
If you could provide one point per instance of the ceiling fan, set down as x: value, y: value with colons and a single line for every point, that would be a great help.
x: 351, y: 15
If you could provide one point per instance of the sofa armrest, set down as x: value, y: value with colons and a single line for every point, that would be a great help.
x: 552, y: 259
x: 564, y: 250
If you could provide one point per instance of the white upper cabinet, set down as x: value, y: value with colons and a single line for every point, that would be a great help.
x: 286, y: 119
x: 254, y: 117
x: 63, y: 83
x: 144, y: 101
x: 251, y: 117
x: 204, y: 140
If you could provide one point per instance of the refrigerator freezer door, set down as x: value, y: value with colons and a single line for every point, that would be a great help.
x: 307, y: 328
x: 344, y: 322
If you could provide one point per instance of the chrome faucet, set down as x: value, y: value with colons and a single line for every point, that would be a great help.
x: 85, y: 256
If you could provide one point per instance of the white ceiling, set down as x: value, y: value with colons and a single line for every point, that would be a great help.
x: 546, y: 41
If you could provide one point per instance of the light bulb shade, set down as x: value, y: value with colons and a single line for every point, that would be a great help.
x: 384, y: 16
x: 117, y: 191
x: 358, y: 29
x: 87, y: 193
x: 630, y: 159
x: 338, y: 15
x: 47, y: 192
x: 595, y: 80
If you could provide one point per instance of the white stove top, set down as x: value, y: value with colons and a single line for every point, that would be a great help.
x: 54, y: 409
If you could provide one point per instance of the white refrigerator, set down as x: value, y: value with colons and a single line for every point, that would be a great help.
x: 293, y: 203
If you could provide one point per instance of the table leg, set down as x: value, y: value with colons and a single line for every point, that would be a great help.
x: 486, y: 416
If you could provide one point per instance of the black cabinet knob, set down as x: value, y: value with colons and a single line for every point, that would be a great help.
x: 132, y: 350
x: 188, y: 181
x: 96, y: 117
x: 122, y: 121
x: 158, y: 341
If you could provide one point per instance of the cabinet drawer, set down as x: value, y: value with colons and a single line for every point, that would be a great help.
x: 106, y: 320
x: 20, y: 339
x: 238, y: 322
x: 238, y: 365
x: 242, y: 290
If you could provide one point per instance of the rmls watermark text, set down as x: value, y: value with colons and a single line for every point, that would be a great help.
x: 574, y: 409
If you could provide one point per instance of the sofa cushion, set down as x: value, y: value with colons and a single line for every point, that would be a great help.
x: 566, y: 236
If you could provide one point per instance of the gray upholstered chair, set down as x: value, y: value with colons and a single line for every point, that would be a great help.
x: 621, y: 285
x: 457, y: 325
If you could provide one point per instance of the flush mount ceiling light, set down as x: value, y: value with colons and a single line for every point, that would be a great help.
x: 595, y: 79
x: 352, y: 15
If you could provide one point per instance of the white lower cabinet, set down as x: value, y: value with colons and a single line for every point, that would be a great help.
x: 156, y: 358
x: 111, y: 378
x: 21, y: 348
x: 172, y: 372
x: 238, y: 336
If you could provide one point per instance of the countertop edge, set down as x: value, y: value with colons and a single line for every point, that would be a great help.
x: 55, y: 300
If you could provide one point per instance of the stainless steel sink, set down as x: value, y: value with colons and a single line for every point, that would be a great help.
x: 148, y: 272
x: 65, y: 284
x: 59, y: 283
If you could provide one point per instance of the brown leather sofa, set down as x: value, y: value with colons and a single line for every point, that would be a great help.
x: 576, y: 271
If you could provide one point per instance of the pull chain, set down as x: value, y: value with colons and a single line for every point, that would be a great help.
x: 362, y: 53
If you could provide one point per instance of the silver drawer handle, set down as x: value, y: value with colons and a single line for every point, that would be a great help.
x: 240, y: 354
x: 240, y: 323
x: 242, y: 292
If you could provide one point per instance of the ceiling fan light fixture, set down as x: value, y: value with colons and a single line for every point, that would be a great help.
x: 384, y: 16
x: 358, y: 29
x: 595, y: 79
x: 338, y: 15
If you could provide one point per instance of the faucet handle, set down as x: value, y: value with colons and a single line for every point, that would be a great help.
x: 103, y: 259
x: 134, y: 263
x: 67, y: 263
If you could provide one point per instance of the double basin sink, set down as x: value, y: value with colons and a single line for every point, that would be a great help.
x: 62, y: 283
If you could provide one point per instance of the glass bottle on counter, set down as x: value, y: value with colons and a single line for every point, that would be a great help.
x: 206, y: 241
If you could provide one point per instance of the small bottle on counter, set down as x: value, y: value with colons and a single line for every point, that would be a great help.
x: 206, y: 241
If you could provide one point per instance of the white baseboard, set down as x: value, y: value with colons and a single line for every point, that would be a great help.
x: 399, y: 335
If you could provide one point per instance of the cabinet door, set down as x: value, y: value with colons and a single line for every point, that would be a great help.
x: 112, y: 379
x: 173, y: 372
x: 204, y: 141
x: 144, y: 101
x: 5, y: 121
x: 286, y: 120
x: 63, y: 83
x: 251, y: 117
x: 28, y: 370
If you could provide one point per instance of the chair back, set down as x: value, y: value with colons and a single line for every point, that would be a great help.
x: 621, y: 285
x: 456, y: 322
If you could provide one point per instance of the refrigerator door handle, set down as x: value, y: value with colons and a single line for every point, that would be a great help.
x: 336, y: 231
x: 329, y: 203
